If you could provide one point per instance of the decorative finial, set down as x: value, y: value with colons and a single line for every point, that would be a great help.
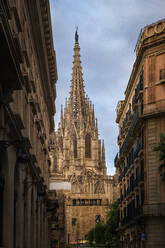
x: 76, y: 35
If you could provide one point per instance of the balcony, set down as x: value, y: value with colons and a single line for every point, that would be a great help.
x: 134, y: 102
x: 138, y: 92
x: 122, y: 175
x: 134, y: 184
x: 126, y: 121
x: 139, y: 88
x: 132, y: 157
x: 132, y: 215
x: 119, y: 179
x: 139, y: 180
x: 133, y: 123
x: 130, y: 132
x: 138, y: 149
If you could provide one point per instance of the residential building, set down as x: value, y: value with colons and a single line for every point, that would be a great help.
x: 141, y: 120
x: 27, y: 94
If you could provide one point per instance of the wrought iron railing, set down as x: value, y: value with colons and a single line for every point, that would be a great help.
x: 130, y: 132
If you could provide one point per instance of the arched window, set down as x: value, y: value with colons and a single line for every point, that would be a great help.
x: 75, y: 147
x: 88, y: 146
x: 61, y: 143
x: 55, y: 164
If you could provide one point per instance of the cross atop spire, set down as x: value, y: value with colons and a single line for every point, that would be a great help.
x: 76, y: 35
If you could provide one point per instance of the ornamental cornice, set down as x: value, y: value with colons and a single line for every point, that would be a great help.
x: 149, y: 37
x: 45, y: 13
x: 150, y: 31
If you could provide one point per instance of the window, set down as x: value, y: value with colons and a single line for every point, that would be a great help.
x: 142, y: 169
x: 55, y: 163
x: 137, y: 173
x: 61, y: 143
x: 97, y: 218
x: 74, y: 221
x: 142, y: 197
x: 74, y: 202
x: 75, y: 147
x: 162, y: 74
x: 137, y: 201
x: 88, y: 146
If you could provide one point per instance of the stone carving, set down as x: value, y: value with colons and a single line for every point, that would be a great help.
x: 89, y: 175
x: 99, y: 187
x: 81, y: 183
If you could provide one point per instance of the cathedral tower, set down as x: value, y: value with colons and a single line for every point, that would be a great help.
x: 78, y: 165
x: 77, y: 143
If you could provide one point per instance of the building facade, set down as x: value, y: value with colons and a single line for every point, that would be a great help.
x: 27, y: 94
x: 141, y: 120
x: 78, y: 165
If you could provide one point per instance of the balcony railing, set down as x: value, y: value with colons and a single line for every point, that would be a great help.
x: 134, y: 154
x: 139, y: 87
x: 128, y: 114
x: 139, y: 147
x: 133, y: 185
x: 130, y: 132
x: 137, y: 91
x: 134, y: 101
x: 123, y: 173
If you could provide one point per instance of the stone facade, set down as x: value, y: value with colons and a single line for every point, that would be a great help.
x: 141, y: 119
x: 27, y: 94
x: 56, y: 205
x: 78, y: 163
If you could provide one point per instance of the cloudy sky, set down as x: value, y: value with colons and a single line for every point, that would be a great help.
x: 108, y: 31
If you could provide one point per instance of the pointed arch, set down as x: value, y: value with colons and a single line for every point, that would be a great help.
x: 61, y: 143
x: 55, y: 164
x: 75, y: 146
x: 88, y: 146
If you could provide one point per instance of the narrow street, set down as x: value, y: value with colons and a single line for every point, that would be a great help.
x: 82, y: 124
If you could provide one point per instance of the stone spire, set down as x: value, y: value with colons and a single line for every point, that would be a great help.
x: 103, y: 152
x: 77, y: 94
x: 103, y: 157
x: 77, y: 142
x: 61, y: 114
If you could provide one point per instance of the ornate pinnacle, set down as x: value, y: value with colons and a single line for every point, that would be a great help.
x: 103, y: 154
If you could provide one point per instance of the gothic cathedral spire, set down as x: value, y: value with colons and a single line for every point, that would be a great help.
x: 77, y: 95
x: 77, y: 140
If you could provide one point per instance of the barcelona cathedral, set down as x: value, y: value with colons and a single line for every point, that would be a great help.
x: 78, y: 166
x: 54, y: 185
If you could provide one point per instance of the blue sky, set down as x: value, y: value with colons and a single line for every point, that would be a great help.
x: 108, y: 31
